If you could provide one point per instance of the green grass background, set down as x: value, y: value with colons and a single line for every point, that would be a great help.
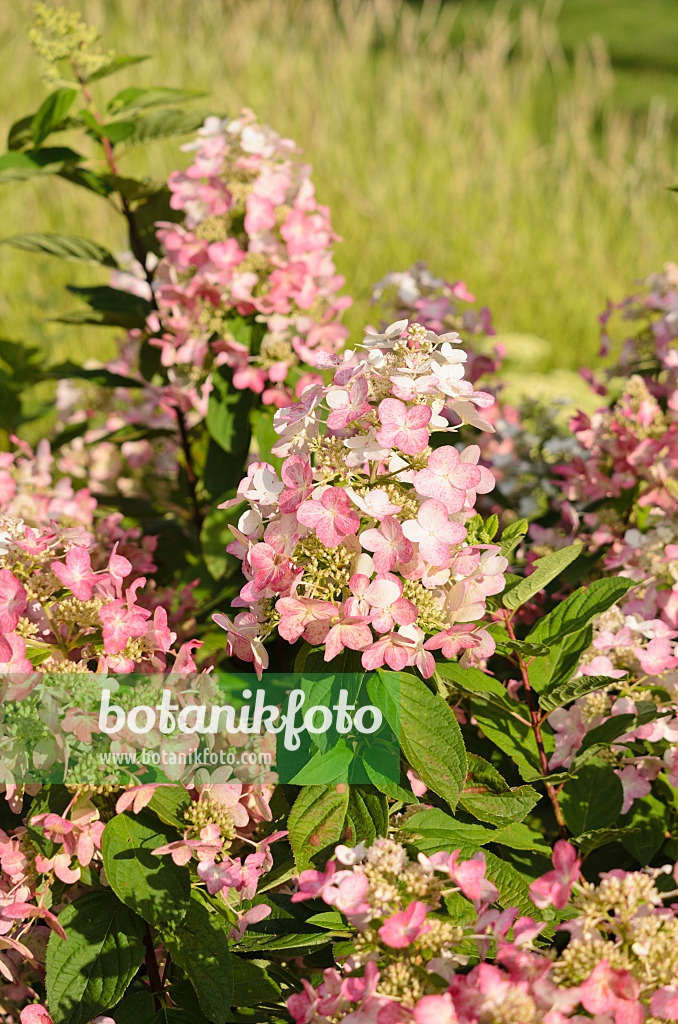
x: 525, y: 149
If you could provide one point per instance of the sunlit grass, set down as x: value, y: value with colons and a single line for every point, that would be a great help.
x: 495, y: 161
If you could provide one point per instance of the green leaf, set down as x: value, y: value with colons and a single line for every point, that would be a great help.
x: 66, y: 247
x: 366, y: 816
x: 162, y: 124
x: 430, y: 736
x: 564, y: 662
x: 488, y: 797
x: 317, y: 820
x: 98, y: 375
x: 227, y: 415
x: 113, y: 300
x: 155, y: 887
x: 513, y: 736
x: 603, y: 735
x: 17, y: 166
x: 579, y: 608
x: 593, y: 800
x: 440, y: 831
x: 556, y: 696
x: 118, y: 64
x: 199, y: 946
x: 474, y: 681
x: 645, y: 829
x: 135, y: 98
x: 512, y: 536
x: 545, y: 571
x: 326, y: 768
x: 252, y: 984
x: 51, y: 114
x: 514, y: 889
x: 170, y: 803
x: 372, y: 765
x: 90, y: 971
x: 596, y: 838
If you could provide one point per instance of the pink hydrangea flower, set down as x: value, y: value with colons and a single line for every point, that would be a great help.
x: 388, y: 543
x: 447, y: 478
x: 332, y: 517
x: 434, y: 533
x: 401, y: 929
x: 13, y: 601
x: 403, y: 428
x: 77, y: 573
x: 554, y: 888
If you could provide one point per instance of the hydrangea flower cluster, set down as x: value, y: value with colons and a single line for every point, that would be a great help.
x: 222, y: 815
x: 74, y: 592
x: 412, y: 955
x: 527, y: 440
x: 621, y: 499
x: 254, y: 242
x: 360, y: 542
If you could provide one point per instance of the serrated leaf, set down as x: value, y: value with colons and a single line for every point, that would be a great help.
x: 473, y: 680
x: 136, y: 98
x: 579, y: 608
x: 366, y: 815
x: 593, y: 800
x: 645, y: 828
x: 170, y: 803
x: 326, y: 767
x: 252, y: 984
x: 98, y: 375
x: 162, y: 124
x: 90, y: 971
x: 51, y: 113
x: 545, y: 571
x: 512, y: 536
x: 557, y: 696
x: 66, y: 247
x: 227, y: 415
x: 18, y: 166
x: 430, y: 736
x: 513, y: 736
x: 199, y: 945
x: 488, y: 797
x: 317, y: 820
x: 154, y: 887
x: 118, y: 64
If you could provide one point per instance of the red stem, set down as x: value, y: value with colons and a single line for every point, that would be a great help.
x: 536, y: 728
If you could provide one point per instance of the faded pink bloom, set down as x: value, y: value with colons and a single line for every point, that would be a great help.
x: 13, y: 601
x: 77, y: 573
x: 403, y: 428
x: 332, y: 517
x: 347, y: 893
x: 297, y: 475
x: 35, y: 1014
x: 353, y: 633
x: 388, y: 543
x: 435, y: 1010
x: 433, y: 532
x: 554, y: 888
x: 664, y: 1003
x: 608, y: 990
x: 312, y: 883
x: 347, y: 406
x: 447, y: 478
x: 384, y: 595
x: 393, y: 649
x: 401, y: 929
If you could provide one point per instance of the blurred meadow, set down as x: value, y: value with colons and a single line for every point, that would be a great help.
x: 527, y: 150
